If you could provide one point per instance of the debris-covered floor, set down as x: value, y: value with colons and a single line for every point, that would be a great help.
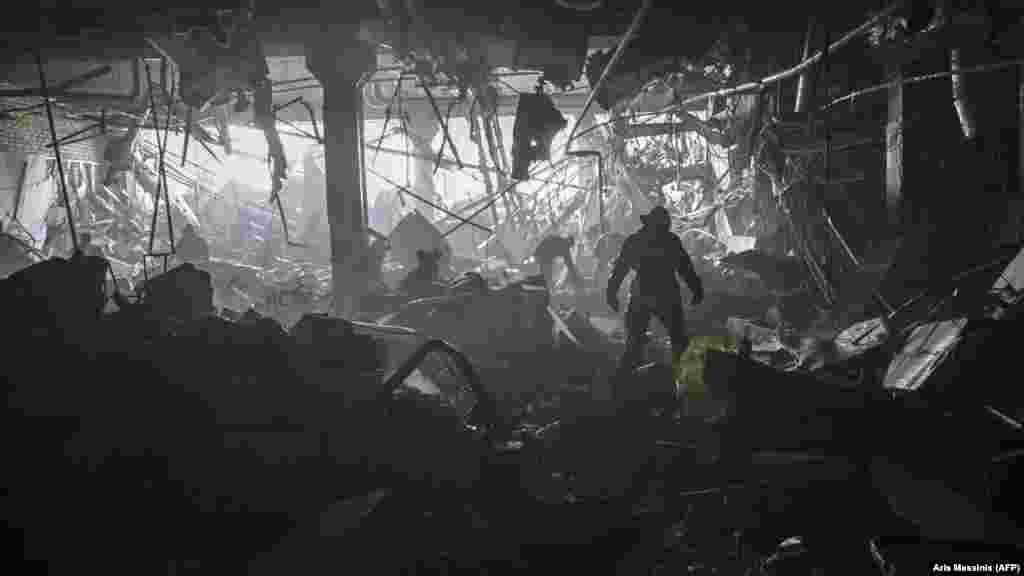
x: 162, y: 436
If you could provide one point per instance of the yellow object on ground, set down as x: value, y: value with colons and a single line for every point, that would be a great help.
x: 689, y: 369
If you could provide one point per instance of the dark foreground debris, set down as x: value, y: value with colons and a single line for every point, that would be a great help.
x: 164, y: 438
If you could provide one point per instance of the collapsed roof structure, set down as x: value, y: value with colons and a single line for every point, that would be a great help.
x: 847, y: 175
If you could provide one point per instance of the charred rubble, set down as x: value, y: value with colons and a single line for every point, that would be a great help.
x: 212, y: 376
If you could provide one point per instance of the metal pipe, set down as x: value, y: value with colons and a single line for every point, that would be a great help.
x: 300, y: 131
x: 925, y: 78
x: 804, y: 86
x: 60, y: 88
x: 427, y: 202
x: 387, y: 120
x: 637, y: 19
x: 188, y: 133
x: 759, y: 85
x: 70, y: 138
x: 163, y: 161
x: 440, y: 153
x: 827, y: 124
x: 56, y: 150
x: 361, y: 127
x: 1012, y: 422
x: 160, y: 180
x: 475, y: 167
x: 600, y: 192
x: 312, y: 118
x: 279, y: 107
x: 312, y: 84
x: 75, y: 140
x: 19, y: 190
x: 479, y: 211
x: 960, y: 101
x: 444, y: 125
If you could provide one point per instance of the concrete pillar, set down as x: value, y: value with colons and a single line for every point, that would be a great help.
x: 338, y: 61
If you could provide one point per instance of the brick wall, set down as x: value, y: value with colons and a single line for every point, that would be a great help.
x: 30, y: 133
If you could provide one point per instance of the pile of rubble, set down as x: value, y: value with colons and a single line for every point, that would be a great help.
x: 162, y: 411
x: 164, y: 426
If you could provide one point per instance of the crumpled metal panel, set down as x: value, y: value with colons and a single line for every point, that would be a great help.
x: 861, y: 337
x: 762, y: 339
x: 1013, y: 275
x: 923, y: 353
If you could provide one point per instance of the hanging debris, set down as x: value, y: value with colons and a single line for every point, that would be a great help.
x: 537, y: 122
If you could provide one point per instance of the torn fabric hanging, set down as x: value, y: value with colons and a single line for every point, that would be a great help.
x: 537, y: 122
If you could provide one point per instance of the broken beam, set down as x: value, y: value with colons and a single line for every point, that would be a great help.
x: 56, y: 150
x: 479, y: 210
x: 444, y: 125
x: 70, y: 138
x: 668, y: 128
x: 476, y: 167
x: 20, y: 189
x: 59, y: 89
x: 427, y: 202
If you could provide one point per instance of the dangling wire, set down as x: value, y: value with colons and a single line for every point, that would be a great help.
x: 161, y: 184
x: 387, y: 118
x: 56, y: 149
x: 408, y: 153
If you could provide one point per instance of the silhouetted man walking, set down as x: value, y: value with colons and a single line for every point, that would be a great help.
x: 658, y: 256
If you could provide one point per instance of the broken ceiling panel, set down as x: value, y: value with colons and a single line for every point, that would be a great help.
x: 209, y: 69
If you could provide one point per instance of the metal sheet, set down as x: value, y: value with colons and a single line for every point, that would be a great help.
x: 924, y: 351
x: 861, y: 337
x: 1013, y: 276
